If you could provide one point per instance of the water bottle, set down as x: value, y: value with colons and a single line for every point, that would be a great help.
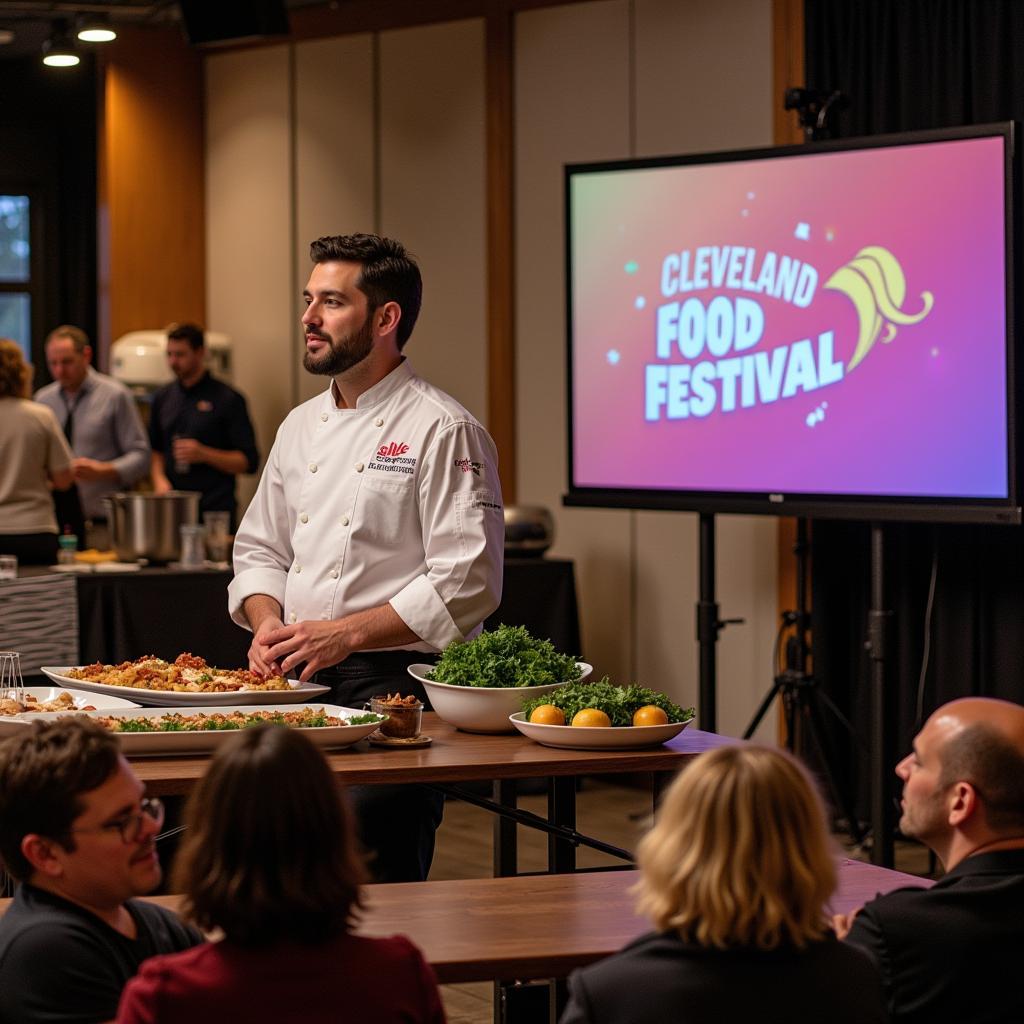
x: 179, y: 467
x: 67, y: 546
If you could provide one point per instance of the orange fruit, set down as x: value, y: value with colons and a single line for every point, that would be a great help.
x: 547, y: 714
x: 591, y: 718
x: 650, y: 714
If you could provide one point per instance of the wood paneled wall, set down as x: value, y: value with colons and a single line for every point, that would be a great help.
x: 152, y: 237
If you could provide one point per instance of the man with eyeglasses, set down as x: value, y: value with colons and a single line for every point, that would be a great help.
x: 952, y: 952
x: 79, y: 837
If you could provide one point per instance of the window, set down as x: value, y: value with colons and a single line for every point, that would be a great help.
x: 16, y: 279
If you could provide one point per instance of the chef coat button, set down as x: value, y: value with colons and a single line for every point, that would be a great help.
x: 359, y: 467
x: 298, y: 568
x: 334, y: 574
x: 291, y: 618
x: 323, y: 416
x: 312, y: 467
x: 379, y: 422
x: 344, y: 520
x: 303, y: 518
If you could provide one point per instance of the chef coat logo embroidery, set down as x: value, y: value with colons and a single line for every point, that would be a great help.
x: 391, y: 458
x: 204, y: 406
x: 469, y: 466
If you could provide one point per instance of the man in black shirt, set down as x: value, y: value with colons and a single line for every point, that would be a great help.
x: 80, y: 839
x: 951, y: 953
x: 199, y: 428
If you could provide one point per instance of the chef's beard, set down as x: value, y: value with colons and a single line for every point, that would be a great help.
x: 341, y: 355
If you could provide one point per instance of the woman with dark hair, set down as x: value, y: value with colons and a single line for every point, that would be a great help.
x: 269, y: 860
x: 34, y: 456
x: 736, y: 875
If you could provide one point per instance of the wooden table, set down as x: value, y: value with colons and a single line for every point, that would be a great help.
x: 539, y: 926
x: 459, y: 757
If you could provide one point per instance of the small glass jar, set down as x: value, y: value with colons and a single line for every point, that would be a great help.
x: 404, y: 715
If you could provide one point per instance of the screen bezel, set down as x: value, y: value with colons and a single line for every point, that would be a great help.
x: 837, y: 506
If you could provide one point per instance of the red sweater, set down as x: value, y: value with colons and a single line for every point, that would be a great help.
x: 351, y: 978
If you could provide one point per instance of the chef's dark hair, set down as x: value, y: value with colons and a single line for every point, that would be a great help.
x: 390, y: 273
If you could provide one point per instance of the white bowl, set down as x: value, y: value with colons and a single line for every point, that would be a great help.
x: 482, y: 708
x: 616, y: 737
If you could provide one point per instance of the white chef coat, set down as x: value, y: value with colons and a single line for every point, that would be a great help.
x: 395, y: 501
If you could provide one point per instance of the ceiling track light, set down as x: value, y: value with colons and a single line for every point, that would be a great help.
x: 95, y: 28
x: 59, y: 49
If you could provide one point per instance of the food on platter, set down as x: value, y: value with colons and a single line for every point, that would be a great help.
x: 650, y: 714
x: 618, y: 703
x: 547, y: 714
x: 187, y: 673
x: 504, y: 658
x: 403, y: 714
x: 305, y: 718
x: 64, y: 701
x: 591, y: 718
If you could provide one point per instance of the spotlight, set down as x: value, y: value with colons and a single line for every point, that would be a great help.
x: 95, y: 28
x: 59, y: 50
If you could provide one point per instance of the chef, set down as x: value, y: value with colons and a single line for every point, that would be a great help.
x: 376, y: 533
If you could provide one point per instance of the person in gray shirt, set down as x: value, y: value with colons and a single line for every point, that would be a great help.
x: 100, y: 421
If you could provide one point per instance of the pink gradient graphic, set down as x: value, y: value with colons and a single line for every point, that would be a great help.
x: 922, y: 415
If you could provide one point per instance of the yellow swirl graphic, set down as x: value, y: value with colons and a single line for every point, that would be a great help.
x: 874, y: 282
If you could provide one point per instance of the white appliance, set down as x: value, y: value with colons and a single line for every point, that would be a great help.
x: 139, y: 358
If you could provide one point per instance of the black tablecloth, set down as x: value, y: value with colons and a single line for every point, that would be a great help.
x: 166, y: 611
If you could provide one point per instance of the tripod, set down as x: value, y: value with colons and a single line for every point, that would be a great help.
x: 802, y: 697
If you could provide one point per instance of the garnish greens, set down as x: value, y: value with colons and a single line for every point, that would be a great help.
x: 617, y: 702
x: 365, y: 719
x: 218, y: 723
x: 505, y: 657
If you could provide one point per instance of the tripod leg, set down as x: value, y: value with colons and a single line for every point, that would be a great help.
x: 762, y: 710
x: 827, y: 757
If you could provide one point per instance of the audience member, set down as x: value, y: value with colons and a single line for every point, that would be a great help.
x: 276, y: 871
x: 952, y: 952
x: 103, y: 427
x: 79, y: 837
x: 33, y: 457
x: 199, y: 428
x: 735, y: 875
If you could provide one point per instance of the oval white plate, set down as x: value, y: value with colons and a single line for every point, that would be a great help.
x: 620, y: 737
x: 44, y: 693
x: 203, y: 742
x: 481, y: 708
x: 183, y: 698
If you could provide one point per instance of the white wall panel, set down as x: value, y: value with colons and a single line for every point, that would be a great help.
x: 432, y: 194
x: 571, y: 104
x: 248, y: 227
x: 703, y: 82
x: 334, y: 157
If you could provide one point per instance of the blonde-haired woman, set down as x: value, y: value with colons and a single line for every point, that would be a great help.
x: 33, y: 457
x: 735, y: 874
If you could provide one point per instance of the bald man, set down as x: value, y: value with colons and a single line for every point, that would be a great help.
x: 953, y: 952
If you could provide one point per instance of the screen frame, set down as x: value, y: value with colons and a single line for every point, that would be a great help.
x: 834, y: 506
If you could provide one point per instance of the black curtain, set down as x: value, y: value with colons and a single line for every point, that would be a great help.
x: 907, y: 65
x: 48, y: 128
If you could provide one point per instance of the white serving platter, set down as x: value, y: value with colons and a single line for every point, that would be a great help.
x: 482, y: 708
x: 184, y: 698
x: 618, y: 737
x: 206, y: 741
x: 81, y: 698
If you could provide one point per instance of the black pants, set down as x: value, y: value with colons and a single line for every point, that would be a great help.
x: 396, y: 823
x: 31, y: 548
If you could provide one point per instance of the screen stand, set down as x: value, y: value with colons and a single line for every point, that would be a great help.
x: 709, y: 625
x: 879, y: 630
x: 804, y: 703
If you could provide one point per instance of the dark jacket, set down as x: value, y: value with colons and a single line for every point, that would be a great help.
x: 952, y: 952
x: 659, y: 979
